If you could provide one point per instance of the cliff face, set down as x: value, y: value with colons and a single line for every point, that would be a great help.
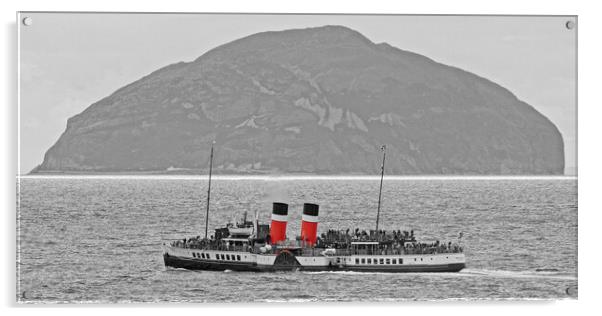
x: 318, y: 100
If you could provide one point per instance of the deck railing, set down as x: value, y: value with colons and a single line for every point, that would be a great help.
x: 304, y: 250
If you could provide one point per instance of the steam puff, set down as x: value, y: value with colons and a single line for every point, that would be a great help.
x: 275, y: 192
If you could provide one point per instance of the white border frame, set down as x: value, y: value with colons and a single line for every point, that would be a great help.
x: 589, y: 159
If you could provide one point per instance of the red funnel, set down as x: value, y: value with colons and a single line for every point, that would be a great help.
x: 279, y: 221
x: 309, y: 223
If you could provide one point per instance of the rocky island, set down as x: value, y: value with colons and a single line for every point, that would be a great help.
x: 317, y: 100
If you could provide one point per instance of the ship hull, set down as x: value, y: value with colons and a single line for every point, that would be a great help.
x: 196, y: 264
x: 199, y: 264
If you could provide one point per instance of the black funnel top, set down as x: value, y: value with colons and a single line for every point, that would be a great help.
x: 311, y: 209
x: 280, y: 208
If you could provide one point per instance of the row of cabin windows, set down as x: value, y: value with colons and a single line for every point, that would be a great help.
x: 201, y: 255
x: 378, y: 261
x: 383, y: 260
x: 218, y: 256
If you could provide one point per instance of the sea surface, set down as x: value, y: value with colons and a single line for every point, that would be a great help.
x: 98, y: 238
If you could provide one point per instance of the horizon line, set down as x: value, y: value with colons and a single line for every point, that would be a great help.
x: 285, y: 177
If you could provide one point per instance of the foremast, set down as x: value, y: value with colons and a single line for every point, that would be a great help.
x: 209, y: 190
x: 383, y: 148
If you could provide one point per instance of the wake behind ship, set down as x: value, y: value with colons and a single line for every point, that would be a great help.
x: 254, y: 246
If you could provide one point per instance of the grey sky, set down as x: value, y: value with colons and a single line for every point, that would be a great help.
x: 69, y: 61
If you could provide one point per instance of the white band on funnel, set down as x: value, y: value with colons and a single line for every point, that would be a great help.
x: 280, y: 218
x: 310, y: 218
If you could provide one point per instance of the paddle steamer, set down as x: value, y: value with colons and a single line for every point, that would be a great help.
x: 254, y: 246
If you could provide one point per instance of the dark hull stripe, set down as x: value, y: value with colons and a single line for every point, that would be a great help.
x: 451, y: 267
x: 197, y: 264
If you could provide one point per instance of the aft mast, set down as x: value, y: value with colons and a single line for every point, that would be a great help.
x: 382, y: 175
x: 209, y: 190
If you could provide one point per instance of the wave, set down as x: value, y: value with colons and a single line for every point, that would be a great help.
x: 172, y: 269
x: 287, y: 300
x: 519, y: 274
x: 347, y: 272
x: 467, y: 273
